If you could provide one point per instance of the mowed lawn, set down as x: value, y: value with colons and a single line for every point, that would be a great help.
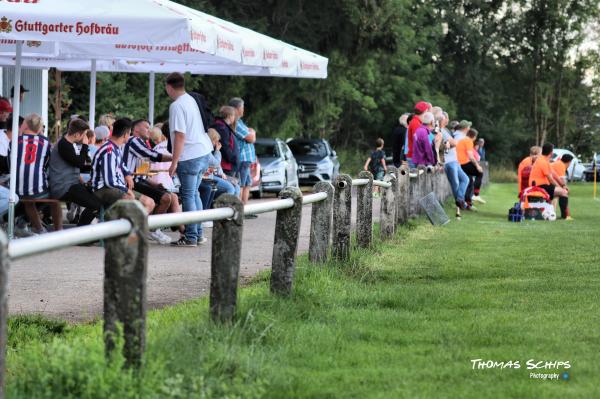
x: 401, y: 321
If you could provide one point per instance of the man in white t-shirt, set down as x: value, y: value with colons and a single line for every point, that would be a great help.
x: 191, y: 149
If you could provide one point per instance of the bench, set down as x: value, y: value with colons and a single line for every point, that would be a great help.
x: 31, y: 210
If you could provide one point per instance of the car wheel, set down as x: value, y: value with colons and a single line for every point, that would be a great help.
x: 257, y: 194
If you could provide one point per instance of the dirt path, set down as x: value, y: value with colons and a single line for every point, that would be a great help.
x: 68, y: 283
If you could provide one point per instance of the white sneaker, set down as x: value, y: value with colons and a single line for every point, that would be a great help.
x: 207, y: 225
x: 159, y: 237
x: 23, y: 232
x: 202, y: 240
x: 479, y: 199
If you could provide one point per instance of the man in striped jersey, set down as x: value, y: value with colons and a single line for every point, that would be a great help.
x: 138, y: 147
x: 111, y: 180
x: 33, y: 155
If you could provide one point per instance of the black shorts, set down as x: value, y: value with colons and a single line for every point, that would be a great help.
x: 549, y: 188
x: 150, y: 190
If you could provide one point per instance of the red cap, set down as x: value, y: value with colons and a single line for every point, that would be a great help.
x: 5, y: 106
x: 421, y: 107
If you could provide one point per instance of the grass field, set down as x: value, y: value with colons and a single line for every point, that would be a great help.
x: 401, y: 321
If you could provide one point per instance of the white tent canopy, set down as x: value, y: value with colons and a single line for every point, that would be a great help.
x: 104, y: 33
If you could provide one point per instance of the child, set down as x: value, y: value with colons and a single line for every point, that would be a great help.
x: 376, y: 164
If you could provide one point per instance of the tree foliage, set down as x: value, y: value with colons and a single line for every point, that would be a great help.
x: 511, y: 66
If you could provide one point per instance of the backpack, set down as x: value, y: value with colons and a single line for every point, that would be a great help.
x: 207, y: 116
x: 515, y: 214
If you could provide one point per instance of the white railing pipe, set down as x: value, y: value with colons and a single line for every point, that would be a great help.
x: 182, y: 218
x: 66, y: 238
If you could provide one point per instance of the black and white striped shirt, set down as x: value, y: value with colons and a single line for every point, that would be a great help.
x: 108, y: 169
x: 33, y: 155
x: 137, y: 148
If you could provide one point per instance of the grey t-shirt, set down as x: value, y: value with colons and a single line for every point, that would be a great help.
x: 449, y: 155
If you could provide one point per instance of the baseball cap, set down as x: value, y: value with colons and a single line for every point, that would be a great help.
x: 453, y: 124
x: 464, y: 124
x: 12, y: 91
x: 421, y: 107
x: 5, y: 105
x: 101, y: 132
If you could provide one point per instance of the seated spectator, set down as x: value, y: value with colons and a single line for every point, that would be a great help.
x: 136, y: 149
x: 542, y: 176
x: 5, y: 140
x: 107, y: 120
x: 422, y: 152
x: 65, y: 168
x: 225, y: 125
x: 524, y: 169
x: 468, y: 162
x: 560, y: 167
x: 111, y: 180
x: 33, y: 155
x: 224, y: 185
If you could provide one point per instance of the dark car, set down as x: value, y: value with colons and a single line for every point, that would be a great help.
x: 588, y: 174
x: 316, y: 160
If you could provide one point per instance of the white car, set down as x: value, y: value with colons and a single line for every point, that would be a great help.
x: 576, y: 169
x: 279, y: 167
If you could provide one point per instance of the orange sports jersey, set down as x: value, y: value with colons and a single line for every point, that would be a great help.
x: 559, y: 168
x: 462, y: 150
x: 524, y: 163
x: 540, y: 172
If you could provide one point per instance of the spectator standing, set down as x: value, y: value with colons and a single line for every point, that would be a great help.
x: 468, y: 163
x: 398, y: 139
x: 191, y: 147
x: 414, y: 123
x: 225, y: 125
x: 422, y: 153
x: 376, y: 164
x: 246, y: 138
x: 480, y: 148
x: 459, y: 181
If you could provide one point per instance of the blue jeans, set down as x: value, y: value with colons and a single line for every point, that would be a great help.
x: 207, y: 195
x: 225, y: 187
x: 245, y: 178
x: 4, y: 196
x: 190, y: 175
x: 458, y: 180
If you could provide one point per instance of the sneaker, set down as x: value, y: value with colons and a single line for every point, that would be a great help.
x: 39, y: 231
x: 183, y: 242
x: 23, y: 232
x: 159, y: 237
x: 72, y: 213
x: 569, y: 219
x: 207, y: 225
x: 202, y: 240
x: 458, y: 215
x: 479, y: 199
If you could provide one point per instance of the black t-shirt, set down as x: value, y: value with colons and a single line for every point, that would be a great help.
x: 376, y: 158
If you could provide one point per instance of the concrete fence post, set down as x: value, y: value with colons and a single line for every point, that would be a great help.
x: 4, y: 267
x: 364, y: 214
x: 414, y: 185
x: 125, y: 272
x: 226, y: 256
x: 342, y: 217
x: 320, y: 224
x: 403, y: 199
x: 423, y: 182
x: 387, y: 214
x: 287, y: 232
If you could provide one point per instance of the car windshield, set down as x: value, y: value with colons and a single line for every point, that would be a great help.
x: 266, y: 150
x: 308, y: 148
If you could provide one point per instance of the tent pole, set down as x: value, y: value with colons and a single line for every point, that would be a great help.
x: 12, y: 200
x: 151, y: 86
x: 92, y: 116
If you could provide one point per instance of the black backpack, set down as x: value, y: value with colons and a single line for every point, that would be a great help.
x: 207, y: 116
